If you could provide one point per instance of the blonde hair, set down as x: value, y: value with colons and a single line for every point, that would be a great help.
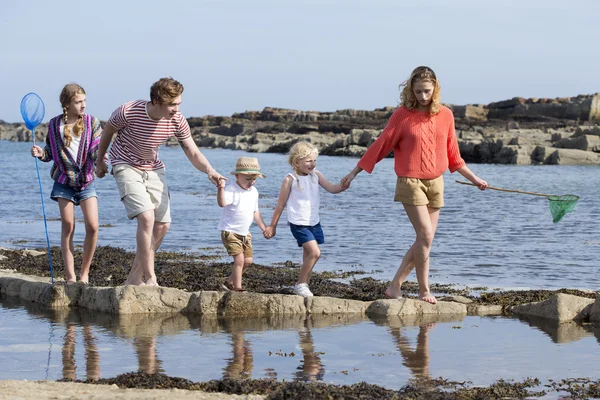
x: 299, y: 151
x: 407, y: 96
x: 165, y: 90
x: 66, y: 97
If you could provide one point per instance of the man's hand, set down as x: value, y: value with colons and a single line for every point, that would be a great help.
x: 216, y: 178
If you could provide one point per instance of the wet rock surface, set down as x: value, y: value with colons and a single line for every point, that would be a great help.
x: 195, y: 272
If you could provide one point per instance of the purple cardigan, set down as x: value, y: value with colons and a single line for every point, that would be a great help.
x: 78, y: 173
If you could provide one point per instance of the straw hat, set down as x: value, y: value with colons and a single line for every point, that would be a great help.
x: 248, y: 166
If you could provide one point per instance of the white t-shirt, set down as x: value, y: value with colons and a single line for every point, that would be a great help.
x: 238, y: 214
x: 304, y: 202
x: 75, y: 140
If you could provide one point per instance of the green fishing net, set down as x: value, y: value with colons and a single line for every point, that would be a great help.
x: 560, y: 205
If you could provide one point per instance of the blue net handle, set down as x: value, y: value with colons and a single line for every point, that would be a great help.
x: 32, y: 111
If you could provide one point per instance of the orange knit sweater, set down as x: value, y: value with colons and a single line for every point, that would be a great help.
x: 424, y: 146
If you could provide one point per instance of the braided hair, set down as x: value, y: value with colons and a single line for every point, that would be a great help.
x: 66, y: 97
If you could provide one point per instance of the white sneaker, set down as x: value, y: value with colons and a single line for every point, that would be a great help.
x: 301, y: 289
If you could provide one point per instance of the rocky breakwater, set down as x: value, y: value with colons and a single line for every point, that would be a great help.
x: 516, y: 131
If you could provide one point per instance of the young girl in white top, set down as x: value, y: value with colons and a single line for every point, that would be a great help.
x: 300, y: 193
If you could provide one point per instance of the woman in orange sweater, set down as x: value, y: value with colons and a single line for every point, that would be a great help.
x: 421, y: 133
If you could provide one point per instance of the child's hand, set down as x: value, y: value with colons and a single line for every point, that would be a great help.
x: 101, y: 168
x: 345, y: 182
x: 36, y: 151
x: 269, y: 232
x: 221, y: 183
x: 215, y: 177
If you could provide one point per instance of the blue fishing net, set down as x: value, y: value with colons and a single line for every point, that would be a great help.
x: 32, y: 110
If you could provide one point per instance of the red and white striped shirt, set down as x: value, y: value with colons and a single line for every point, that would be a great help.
x: 139, y: 136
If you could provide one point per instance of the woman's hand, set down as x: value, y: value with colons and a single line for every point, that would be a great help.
x: 345, y: 182
x: 480, y: 183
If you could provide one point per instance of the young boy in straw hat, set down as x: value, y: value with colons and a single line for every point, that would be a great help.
x: 239, y: 200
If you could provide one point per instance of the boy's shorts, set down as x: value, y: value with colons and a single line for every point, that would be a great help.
x: 420, y: 192
x: 237, y: 244
x: 142, y: 191
x: 75, y: 196
x: 304, y: 233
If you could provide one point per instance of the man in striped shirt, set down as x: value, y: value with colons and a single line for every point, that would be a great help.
x: 141, y: 127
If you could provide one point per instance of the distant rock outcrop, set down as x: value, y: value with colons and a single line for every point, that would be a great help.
x: 515, y: 131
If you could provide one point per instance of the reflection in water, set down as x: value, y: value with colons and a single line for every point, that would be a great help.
x: 145, y: 349
x: 240, y: 348
x: 417, y: 359
x: 242, y: 362
x: 311, y: 369
x: 92, y: 358
x: 564, y: 332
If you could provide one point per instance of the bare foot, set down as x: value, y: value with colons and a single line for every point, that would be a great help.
x: 151, y: 282
x: 428, y: 297
x: 390, y: 294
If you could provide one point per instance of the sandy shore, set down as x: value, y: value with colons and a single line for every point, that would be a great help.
x: 41, y: 390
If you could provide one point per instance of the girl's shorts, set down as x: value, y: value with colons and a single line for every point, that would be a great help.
x: 420, y: 192
x: 304, y: 233
x: 60, y: 191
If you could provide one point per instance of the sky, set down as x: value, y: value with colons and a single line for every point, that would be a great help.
x: 325, y: 55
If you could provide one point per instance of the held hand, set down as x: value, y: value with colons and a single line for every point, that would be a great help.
x: 101, y: 168
x: 221, y: 183
x: 345, y: 182
x: 269, y: 232
x: 36, y: 151
x: 215, y: 177
x: 480, y: 183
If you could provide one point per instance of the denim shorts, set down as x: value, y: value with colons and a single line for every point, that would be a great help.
x: 60, y: 191
x: 304, y: 233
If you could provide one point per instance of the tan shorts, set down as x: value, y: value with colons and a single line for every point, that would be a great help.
x: 420, y: 192
x: 237, y: 244
x: 142, y: 191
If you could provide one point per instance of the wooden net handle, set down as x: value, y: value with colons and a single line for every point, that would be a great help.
x: 506, y: 190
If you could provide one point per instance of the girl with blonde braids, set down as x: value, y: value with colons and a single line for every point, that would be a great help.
x: 72, y: 143
x: 300, y: 194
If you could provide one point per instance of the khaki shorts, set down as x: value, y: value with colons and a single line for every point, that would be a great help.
x: 142, y: 191
x: 237, y: 244
x: 420, y: 192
